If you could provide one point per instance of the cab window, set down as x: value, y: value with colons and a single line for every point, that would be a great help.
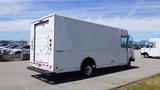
x: 124, y: 41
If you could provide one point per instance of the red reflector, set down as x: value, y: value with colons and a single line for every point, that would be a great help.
x: 46, y: 65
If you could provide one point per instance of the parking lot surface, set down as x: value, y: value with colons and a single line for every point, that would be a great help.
x: 15, y: 76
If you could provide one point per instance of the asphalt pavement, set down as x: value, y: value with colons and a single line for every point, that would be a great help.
x: 15, y: 76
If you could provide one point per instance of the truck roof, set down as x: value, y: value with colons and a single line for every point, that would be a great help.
x: 52, y: 15
x: 37, y: 20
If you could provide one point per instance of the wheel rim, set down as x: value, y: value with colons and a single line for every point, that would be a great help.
x: 88, y: 70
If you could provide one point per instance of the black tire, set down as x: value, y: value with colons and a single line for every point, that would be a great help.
x: 87, y: 69
x: 146, y: 55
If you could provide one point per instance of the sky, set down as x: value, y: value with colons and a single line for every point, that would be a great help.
x: 140, y: 17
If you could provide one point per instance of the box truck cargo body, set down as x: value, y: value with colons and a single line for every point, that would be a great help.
x: 151, y: 48
x: 61, y: 44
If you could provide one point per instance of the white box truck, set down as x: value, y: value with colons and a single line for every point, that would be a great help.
x: 61, y: 44
x: 151, y: 48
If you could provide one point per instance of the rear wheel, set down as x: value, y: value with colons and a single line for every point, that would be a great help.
x: 145, y: 55
x: 87, y: 69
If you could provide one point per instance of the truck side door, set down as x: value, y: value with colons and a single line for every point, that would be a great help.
x: 152, y: 49
x: 124, y: 50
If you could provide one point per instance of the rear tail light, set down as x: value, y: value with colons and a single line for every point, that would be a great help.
x: 50, y: 44
x: 50, y: 67
x: 50, y: 40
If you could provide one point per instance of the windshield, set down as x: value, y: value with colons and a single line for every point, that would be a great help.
x: 8, y: 46
x: 146, y: 45
x: 150, y: 45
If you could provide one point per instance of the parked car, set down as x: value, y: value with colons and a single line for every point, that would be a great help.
x: 24, y: 50
x: 6, y: 50
x: 138, y: 46
x: 2, y: 45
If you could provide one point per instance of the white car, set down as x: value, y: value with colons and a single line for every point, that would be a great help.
x: 16, y: 51
x: 24, y: 50
x: 7, y: 49
x: 4, y: 46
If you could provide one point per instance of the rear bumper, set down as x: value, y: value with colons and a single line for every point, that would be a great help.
x: 38, y: 70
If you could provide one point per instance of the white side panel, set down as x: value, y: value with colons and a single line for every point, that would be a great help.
x: 155, y: 51
x: 75, y: 40
x: 80, y: 35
